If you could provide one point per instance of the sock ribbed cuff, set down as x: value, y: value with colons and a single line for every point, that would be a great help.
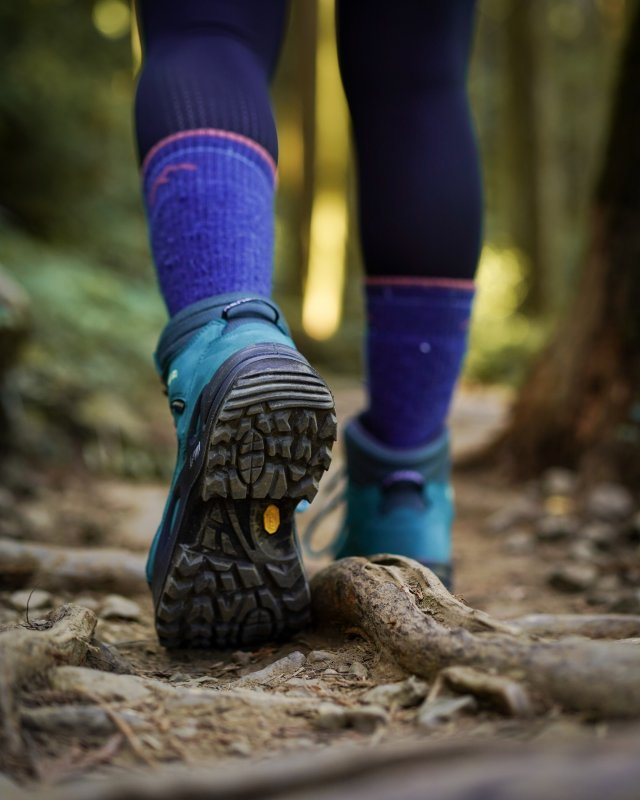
x: 209, y: 201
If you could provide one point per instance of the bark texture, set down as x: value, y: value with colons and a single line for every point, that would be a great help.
x: 405, y: 609
x: 581, y: 404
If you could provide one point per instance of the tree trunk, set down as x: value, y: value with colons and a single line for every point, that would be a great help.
x: 523, y: 152
x: 581, y: 405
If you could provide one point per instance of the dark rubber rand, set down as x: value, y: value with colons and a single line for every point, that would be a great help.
x: 231, y: 582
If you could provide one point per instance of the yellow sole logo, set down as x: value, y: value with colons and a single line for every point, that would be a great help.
x: 271, y: 518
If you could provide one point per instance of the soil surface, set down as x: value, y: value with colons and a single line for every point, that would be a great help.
x: 141, y: 705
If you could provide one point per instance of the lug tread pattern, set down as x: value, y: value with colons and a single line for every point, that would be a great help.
x: 233, y: 584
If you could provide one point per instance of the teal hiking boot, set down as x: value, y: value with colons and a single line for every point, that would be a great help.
x: 398, y: 501
x: 255, y: 425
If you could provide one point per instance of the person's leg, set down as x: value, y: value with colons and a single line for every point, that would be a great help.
x: 404, y: 69
x: 207, y: 143
x: 255, y: 423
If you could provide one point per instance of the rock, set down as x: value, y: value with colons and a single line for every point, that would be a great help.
x: 342, y: 668
x: 609, y: 501
x: 331, y: 717
x: 434, y: 712
x: 602, y: 535
x: 525, y: 509
x: 242, y: 657
x: 634, y: 528
x: 30, y: 599
x: 627, y: 603
x: 519, y: 543
x: 6, y: 784
x: 320, y: 657
x: 78, y: 719
x: 359, y: 670
x: 559, y: 481
x: 582, y: 551
x: 555, y: 528
x: 403, y: 694
x: 106, y: 658
x: 186, y: 733
x: 573, y: 577
x: 279, y: 670
x: 240, y: 748
x: 7, y: 501
x: 37, y: 519
x: 364, y: 719
x: 115, y: 606
x: 330, y: 671
x: 92, y: 603
x: 179, y: 677
x: 105, y: 685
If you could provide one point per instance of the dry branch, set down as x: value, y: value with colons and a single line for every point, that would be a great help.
x: 72, y: 569
x: 27, y: 653
x: 408, y: 612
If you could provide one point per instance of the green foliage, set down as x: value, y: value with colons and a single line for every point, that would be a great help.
x: 88, y: 367
x: 503, y: 339
x: 67, y: 170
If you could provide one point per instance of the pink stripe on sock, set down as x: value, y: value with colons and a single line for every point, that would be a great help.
x: 164, y: 177
x: 214, y: 133
x: 410, y: 280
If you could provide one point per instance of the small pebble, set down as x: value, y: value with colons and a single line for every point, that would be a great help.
x: 186, y: 733
x: 320, y: 656
x: 559, y: 481
x: 582, y: 551
x: 525, y: 509
x: 609, y: 501
x: 240, y: 749
x: 364, y: 719
x: 434, y: 712
x: 343, y: 668
x: 367, y: 719
x: 573, y: 577
x: 115, y: 606
x: 330, y: 671
x: 92, y: 603
x: 403, y: 694
x: 627, y: 603
x: 31, y: 599
x: 519, y: 543
x: 359, y: 670
x: 331, y: 717
x: 554, y: 528
x: 602, y: 535
x: 242, y: 657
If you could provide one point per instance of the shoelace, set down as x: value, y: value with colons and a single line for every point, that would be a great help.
x: 336, y: 489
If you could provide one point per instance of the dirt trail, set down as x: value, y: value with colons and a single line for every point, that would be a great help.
x: 134, y: 704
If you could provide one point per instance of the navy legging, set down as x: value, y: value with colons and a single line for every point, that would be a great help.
x: 208, y: 64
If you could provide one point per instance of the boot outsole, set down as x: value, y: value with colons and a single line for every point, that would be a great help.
x: 235, y: 578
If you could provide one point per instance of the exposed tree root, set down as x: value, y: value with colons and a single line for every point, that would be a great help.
x: 408, y: 612
x: 72, y: 569
x: 593, y: 626
x: 445, y: 771
x: 28, y: 652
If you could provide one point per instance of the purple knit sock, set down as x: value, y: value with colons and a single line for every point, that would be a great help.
x: 416, y: 341
x: 209, y: 201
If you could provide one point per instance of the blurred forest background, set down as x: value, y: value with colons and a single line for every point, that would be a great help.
x: 72, y: 231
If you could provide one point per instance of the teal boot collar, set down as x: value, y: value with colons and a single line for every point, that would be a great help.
x: 231, y: 308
